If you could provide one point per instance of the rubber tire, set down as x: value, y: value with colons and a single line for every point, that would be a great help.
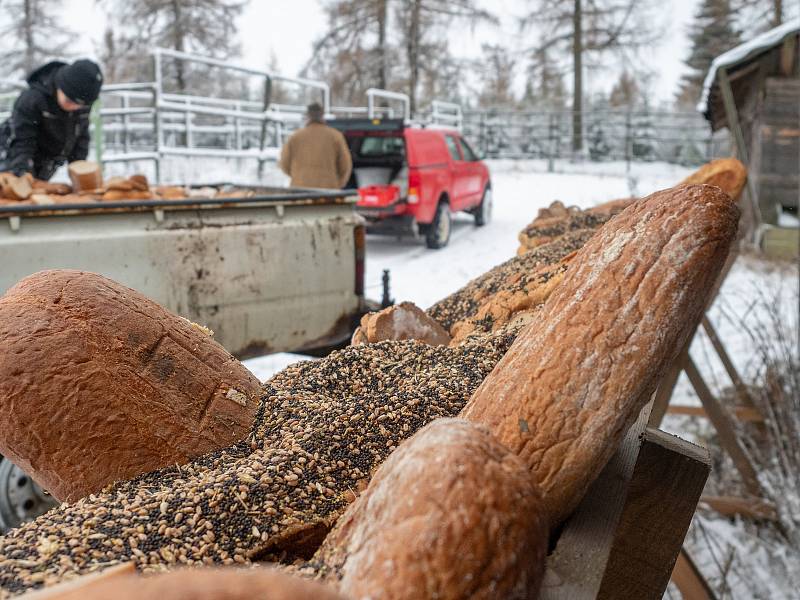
x: 483, y: 212
x: 438, y: 233
x: 16, y: 488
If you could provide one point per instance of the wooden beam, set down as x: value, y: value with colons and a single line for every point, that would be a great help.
x: 741, y: 388
x: 788, y: 52
x: 745, y: 414
x: 730, y: 506
x: 732, y: 115
x: 688, y: 579
x: 576, y: 566
x: 724, y: 425
x: 667, y: 481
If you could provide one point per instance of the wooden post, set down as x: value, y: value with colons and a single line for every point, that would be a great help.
x: 732, y: 115
x: 664, y: 393
x: 688, y: 579
x: 724, y: 425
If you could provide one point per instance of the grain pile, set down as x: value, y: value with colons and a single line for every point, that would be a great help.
x: 322, y: 429
x: 557, y: 219
x: 521, y: 283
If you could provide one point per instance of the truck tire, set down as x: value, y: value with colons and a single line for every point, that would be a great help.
x: 438, y: 233
x: 483, y: 212
x: 21, y: 499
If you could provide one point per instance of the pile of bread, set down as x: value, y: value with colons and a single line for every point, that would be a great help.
x: 88, y: 186
x: 463, y: 509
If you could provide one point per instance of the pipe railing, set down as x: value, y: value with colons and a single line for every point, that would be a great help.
x: 373, y: 93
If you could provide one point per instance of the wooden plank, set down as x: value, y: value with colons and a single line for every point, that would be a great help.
x: 576, y: 566
x: 688, y: 579
x: 724, y: 425
x: 745, y: 414
x: 667, y: 481
x: 731, y: 506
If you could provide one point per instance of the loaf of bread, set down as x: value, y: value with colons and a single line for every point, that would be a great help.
x: 119, y: 183
x: 46, y: 187
x: 15, y: 188
x: 98, y: 384
x: 556, y: 220
x: 728, y: 174
x: 570, y: 386
x: 171, y: 192
x: 451, y: 514
x: 86, y: 175
x: 117, y: 195
x: 190, y: 584
x: 404, y: 321
x: 139, y: 182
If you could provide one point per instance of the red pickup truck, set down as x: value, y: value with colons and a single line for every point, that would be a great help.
x: 411, y: 179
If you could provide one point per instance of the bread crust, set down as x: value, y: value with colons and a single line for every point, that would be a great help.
x: 569, y: 387
x: 451, y: 514
x: 404, y: 321
x: 193, y: 584
x: 728, y: 174
x: 98, y: 383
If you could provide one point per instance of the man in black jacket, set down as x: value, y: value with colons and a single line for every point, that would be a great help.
x: 49, y: 124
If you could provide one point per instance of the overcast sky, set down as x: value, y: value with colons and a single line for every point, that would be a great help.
x: 287, y: 28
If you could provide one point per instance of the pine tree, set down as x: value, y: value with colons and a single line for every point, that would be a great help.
x: 206, y: 27
x: 712, y: 33
x: 36, y: 33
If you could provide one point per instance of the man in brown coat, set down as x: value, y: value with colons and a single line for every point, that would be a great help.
x: 316, y: 156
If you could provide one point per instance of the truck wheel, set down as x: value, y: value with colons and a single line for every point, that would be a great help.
x: 439, y: 231
x: 21, y: 499
x: 483, y: 213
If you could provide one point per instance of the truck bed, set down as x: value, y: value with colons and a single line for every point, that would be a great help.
x: 273, y: 272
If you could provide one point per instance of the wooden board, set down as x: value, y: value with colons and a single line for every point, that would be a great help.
x: 668, y: 479
x: 641, y: 504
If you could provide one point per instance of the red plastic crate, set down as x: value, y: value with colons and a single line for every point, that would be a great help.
x: 377, y: 196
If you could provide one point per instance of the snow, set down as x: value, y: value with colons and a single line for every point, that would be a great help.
x: 742, y: 52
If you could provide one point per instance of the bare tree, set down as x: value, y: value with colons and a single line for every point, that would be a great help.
x: 201, y: 26
x: 625, y: 92
x: 424, y: 26
x: 36, y: 33
x: 586, y: 29
x: 544, y: 85
x: 353, y: 54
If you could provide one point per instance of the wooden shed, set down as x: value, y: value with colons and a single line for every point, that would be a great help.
x: 754, y: 91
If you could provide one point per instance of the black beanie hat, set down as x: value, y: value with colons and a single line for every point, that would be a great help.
x: 80, y: 81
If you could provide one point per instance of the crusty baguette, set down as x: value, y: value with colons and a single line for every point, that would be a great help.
x: 99, y: 383
x: 728, y: 174
x: 190, y: 584
x: 450, y: 514
x: 570, y: 386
